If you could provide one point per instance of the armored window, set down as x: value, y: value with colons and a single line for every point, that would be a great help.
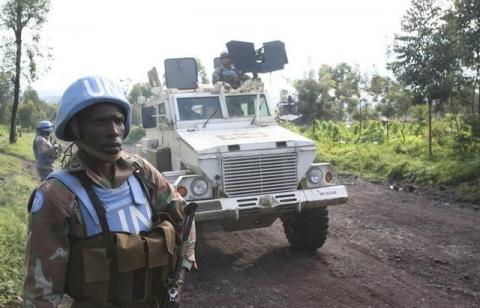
x: 199, y: 108
x: 244, y: 106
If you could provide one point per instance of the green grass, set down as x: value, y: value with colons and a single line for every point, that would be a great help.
x: 15, y: 189
x: 22, y: 148
x: 9, y: 166
x: 455, y: 161
x: 3, y: 130
x: 16, y: 185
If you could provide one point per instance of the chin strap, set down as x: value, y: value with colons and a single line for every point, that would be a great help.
x: 88, y: 149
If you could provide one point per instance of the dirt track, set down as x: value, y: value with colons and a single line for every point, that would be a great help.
x: 385, y: 249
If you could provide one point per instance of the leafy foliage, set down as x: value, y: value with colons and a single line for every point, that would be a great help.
x: 456, y: 160
x: 24, y: 19
x: 136, y: 133
x: 326, y: 94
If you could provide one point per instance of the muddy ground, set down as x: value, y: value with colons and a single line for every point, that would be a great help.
x: 386, y: 248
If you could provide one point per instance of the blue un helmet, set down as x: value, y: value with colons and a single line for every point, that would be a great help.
x: 44, y: 126
x: 85, y: 92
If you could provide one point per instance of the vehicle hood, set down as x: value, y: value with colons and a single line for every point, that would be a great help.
x: 252, y: 138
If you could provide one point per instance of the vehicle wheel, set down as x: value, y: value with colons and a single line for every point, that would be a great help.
x: 307, y: 230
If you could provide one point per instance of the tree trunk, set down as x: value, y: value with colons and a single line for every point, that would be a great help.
x: 388, y: 121
x: 361, y: 123
x: 429, y: 129
x: 475, y: 82
x: 16, y: 90
x: 404, y: 123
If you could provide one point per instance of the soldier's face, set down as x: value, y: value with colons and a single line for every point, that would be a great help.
x: 102, y: 127
x: 226, y: 61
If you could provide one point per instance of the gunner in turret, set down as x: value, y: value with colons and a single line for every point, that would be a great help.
x: 228, y: 74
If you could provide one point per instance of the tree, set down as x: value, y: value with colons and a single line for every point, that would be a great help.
x: 32, y: 110
x: 466, y: 21
x: 6, y: 95
x: 202, y: 74
x: 18, y: 16
x: 29, y: 114
x: 315, y: 99
x: 425, y: 61
x: 380, y: 88
x: 138, y: 89
x: 347, y: 91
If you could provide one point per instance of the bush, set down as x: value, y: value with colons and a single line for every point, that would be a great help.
x: 3, y: 130
x: 455, y: 161
x: 136, y: 133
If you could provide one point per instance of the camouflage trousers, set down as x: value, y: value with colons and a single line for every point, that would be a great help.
x: 44, y: 170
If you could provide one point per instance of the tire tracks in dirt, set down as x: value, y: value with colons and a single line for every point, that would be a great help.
x: 385, y: 249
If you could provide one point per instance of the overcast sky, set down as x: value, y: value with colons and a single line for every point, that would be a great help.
x: 123, y: 39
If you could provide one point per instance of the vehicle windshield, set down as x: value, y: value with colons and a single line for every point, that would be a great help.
x: 198, y: 108
x: 244, y: 106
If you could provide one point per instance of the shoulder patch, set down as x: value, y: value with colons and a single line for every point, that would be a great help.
x: 134, y: 161
x: 37, y: 203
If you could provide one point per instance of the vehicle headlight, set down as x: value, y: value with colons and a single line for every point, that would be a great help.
x: 199, y: 186
x: 315, y: 175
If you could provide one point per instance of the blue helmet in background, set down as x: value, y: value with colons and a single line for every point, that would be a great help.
x: 45, y: 126
x: 85, y: 92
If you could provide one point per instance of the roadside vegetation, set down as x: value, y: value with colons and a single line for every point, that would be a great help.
x: 403, y: 158
x: 21, y: 149
x: 16, y: 184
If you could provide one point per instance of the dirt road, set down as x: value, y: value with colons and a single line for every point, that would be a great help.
x: 385, y: 249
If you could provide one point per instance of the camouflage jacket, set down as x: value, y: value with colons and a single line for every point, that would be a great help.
x: 55, y: 217
x: 44, y: 152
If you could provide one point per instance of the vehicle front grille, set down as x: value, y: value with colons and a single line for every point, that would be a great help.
x: 259, y: 174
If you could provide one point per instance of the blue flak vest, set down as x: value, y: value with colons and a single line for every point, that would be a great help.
x: 127, y: 208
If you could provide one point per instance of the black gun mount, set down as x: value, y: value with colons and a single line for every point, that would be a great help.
x: 182, y: 73
x: 269, y: 58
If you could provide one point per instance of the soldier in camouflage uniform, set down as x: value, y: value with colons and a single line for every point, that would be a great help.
x: 44, y: 151
x: 228, y: 74
x: 105, y: 228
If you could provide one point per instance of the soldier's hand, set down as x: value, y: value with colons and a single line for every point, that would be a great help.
x: 58, y: 149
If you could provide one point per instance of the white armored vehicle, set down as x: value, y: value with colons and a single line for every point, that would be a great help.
x: 224, y: 150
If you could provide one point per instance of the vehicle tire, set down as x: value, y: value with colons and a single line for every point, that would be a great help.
x: 307, y: 230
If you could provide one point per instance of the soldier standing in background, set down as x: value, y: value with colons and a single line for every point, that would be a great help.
x: 105, y: 228
x: 44, y: 151
x: 18, y: 128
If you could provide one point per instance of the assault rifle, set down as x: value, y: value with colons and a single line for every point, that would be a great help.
x: 176, y: 281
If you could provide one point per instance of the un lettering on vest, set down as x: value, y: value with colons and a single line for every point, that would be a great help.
x: 101, y: 87
x: 130, y: 219
x: 229, y: 72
